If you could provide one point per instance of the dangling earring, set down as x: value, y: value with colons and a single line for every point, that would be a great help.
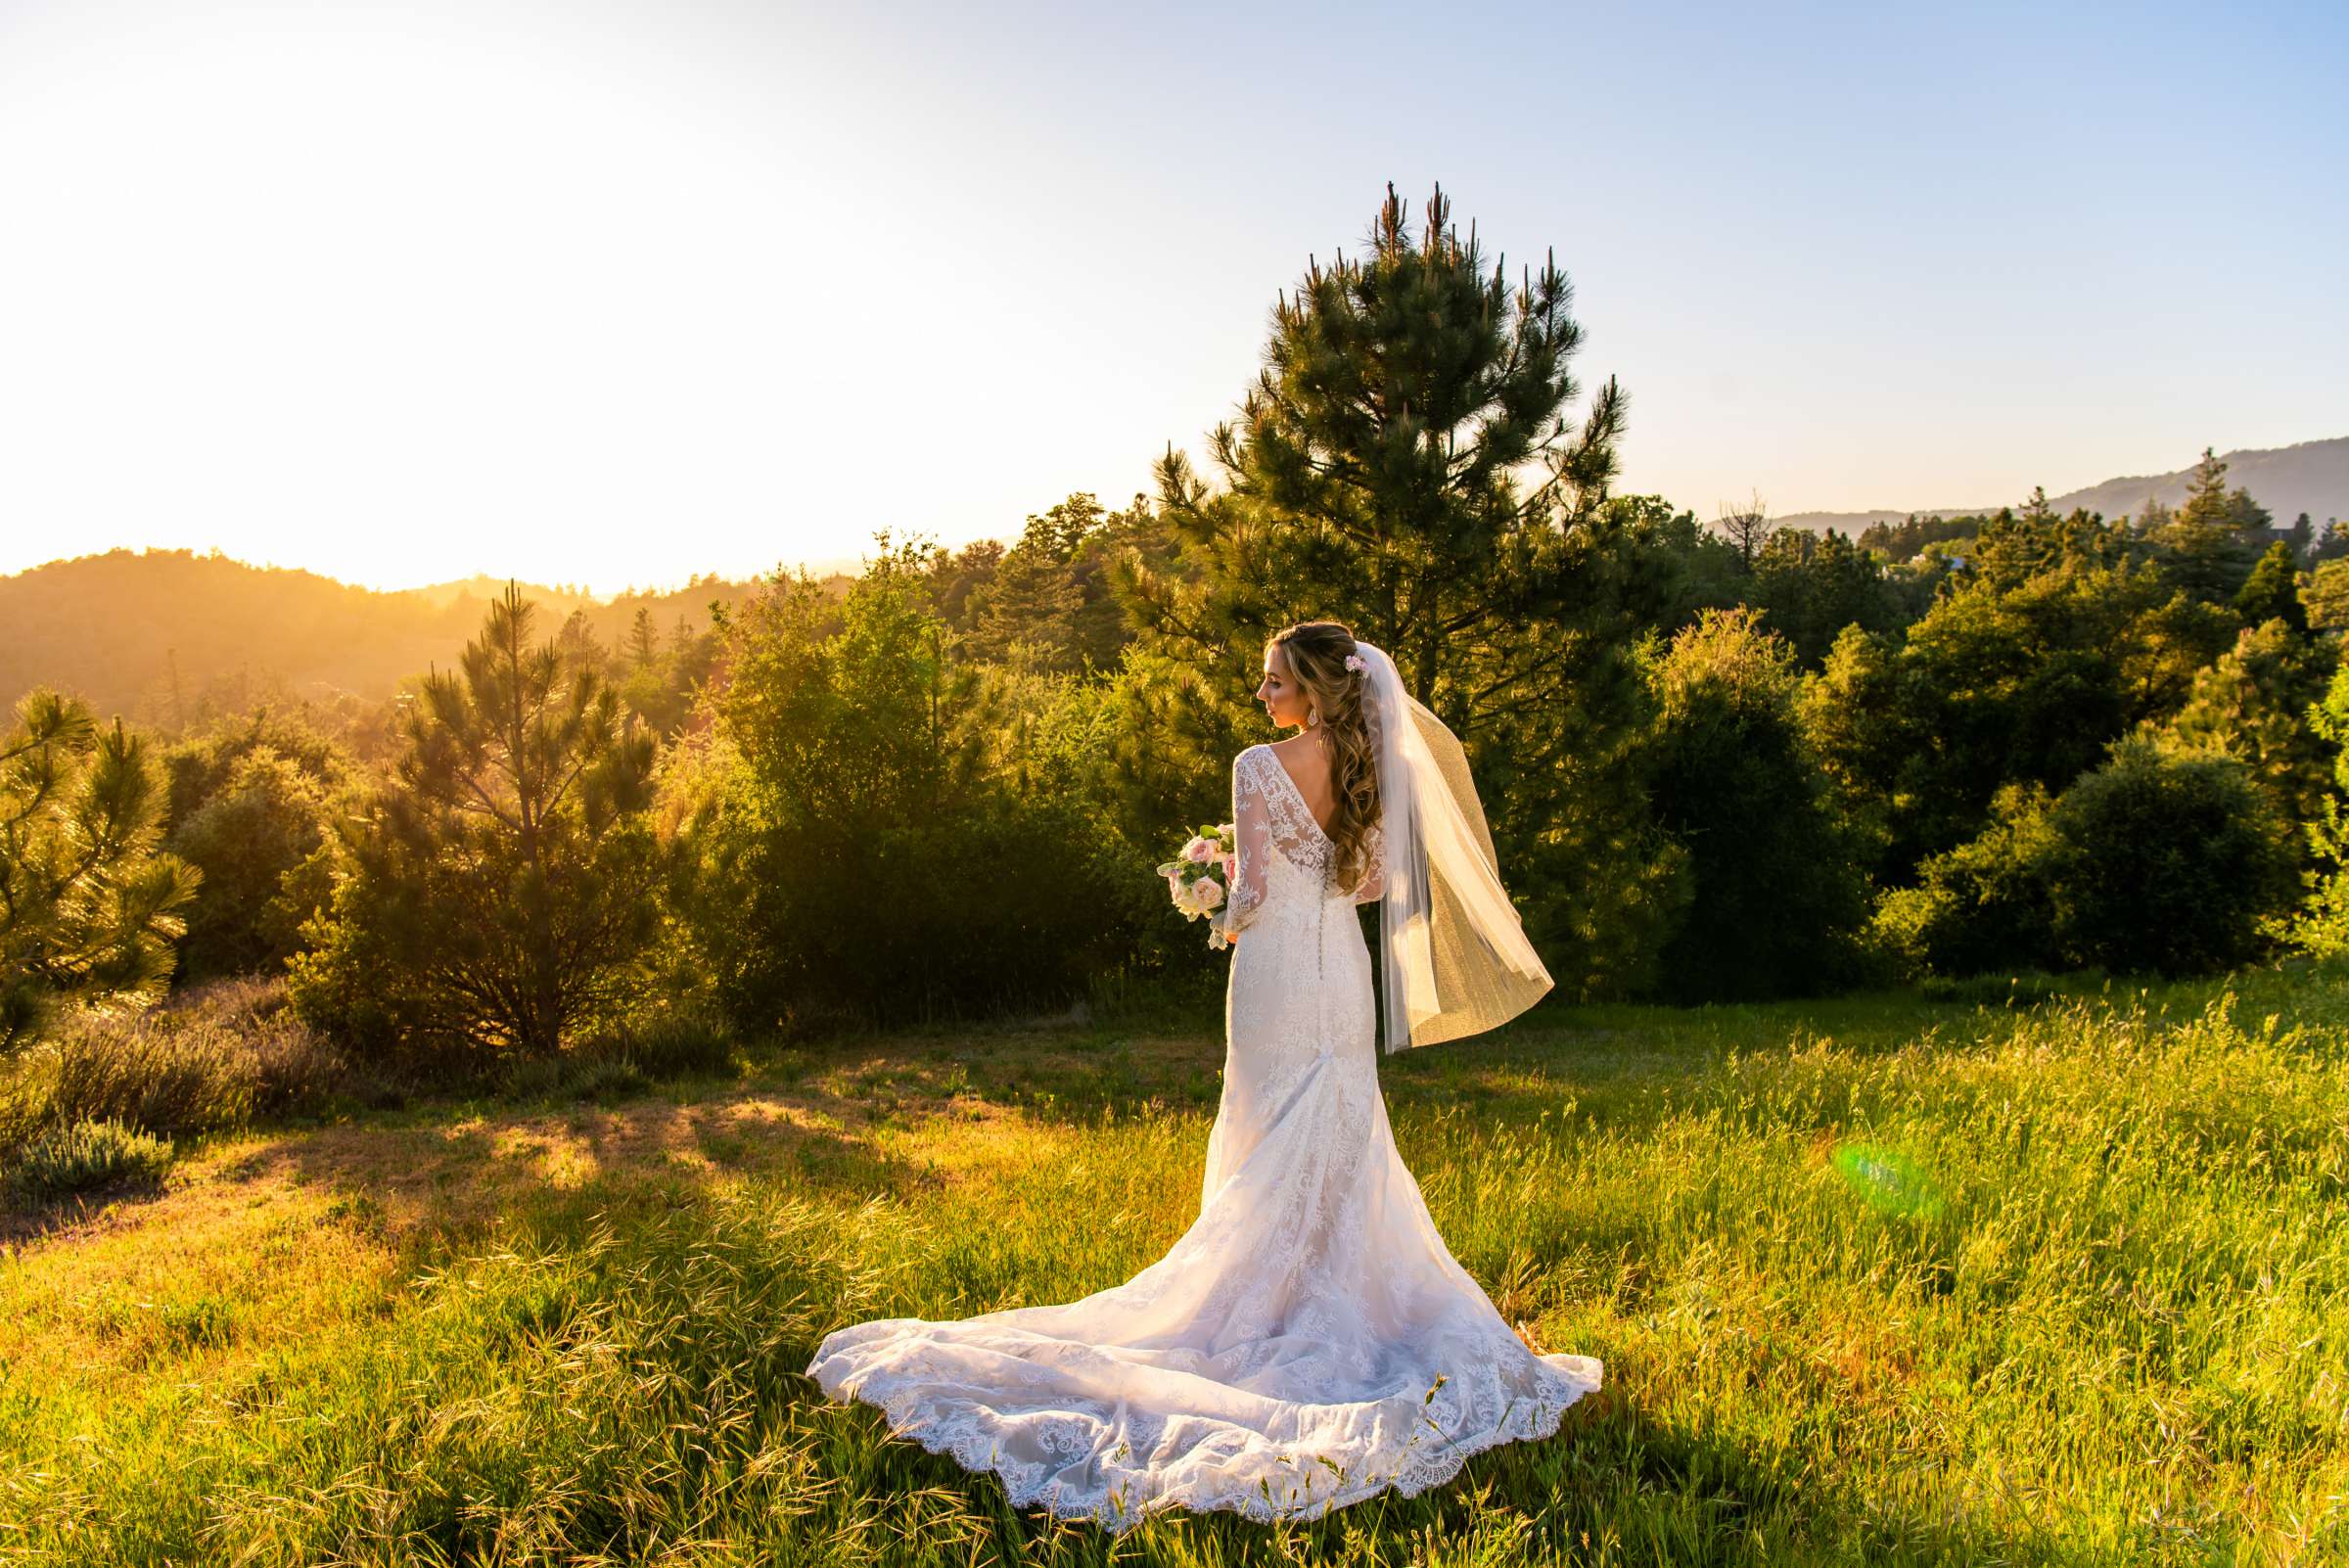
x: 1312, y: 716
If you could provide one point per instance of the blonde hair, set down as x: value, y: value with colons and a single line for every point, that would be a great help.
x: 1317, y: 652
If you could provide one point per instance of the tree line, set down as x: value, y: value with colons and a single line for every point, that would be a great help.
x: 1720, y: 762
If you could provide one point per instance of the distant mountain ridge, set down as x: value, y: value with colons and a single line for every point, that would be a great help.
x: 156, y: 635
x: 2311, y: 477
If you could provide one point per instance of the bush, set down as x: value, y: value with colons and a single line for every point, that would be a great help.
x: 1984, y: 906
x: 2167, y: 862
x: 2162, y: 861
x: 265, y: 820
x: 216, y: 1056
x: 84, y: 1155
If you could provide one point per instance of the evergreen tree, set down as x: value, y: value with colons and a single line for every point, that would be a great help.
x: 2252, y: 703
x: 1062, y: 532
x: 1101, y: 628
x: 1028, y: 618
x: 1811, y: 585
x: 2216, y: 535
x: 502, y: 888
x: 580, y: 649
x: 1996, y: 685
x: 1379, y: 476
x: 2324, y: 595
x: 2272, y: 592
x: 267, y: 818
x: 958, y: 580
x: 644, y: 638
x: 2331, y: 544
x: 89, y: 906
x: 1777, y: 896
x: 2303, y: 538
x: 2011, y: 547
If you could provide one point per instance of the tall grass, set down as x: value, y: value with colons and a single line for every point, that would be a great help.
x: 1875, y: 1281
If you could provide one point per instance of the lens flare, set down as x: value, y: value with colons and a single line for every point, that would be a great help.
x: 1889, y: 1180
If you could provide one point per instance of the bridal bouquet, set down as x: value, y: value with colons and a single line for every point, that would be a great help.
x: 1199, y: 877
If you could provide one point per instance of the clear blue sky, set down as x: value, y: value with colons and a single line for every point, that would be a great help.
x: 616, y: 293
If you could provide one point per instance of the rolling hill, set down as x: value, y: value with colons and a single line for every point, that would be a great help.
x: 2311, y: 477
x: 156, y: 635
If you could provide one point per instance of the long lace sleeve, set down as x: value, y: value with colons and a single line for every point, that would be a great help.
x: 1252, y: 835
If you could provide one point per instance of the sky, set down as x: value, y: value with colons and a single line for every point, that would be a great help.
x: 618, y: 294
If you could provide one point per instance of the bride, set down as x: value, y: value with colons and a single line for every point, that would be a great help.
x: 1310, y: 1341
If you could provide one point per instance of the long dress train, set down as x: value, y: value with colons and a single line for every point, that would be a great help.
x: 1310, y: 1340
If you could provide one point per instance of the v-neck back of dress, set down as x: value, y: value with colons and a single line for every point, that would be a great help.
x: 1291, y: 781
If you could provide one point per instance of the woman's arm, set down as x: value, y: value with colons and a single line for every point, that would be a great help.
x: 1251, y: 836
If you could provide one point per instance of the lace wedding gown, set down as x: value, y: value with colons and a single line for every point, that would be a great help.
x: 1310, y: 1340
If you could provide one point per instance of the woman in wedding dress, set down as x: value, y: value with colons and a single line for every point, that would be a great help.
x: 1310, y: 1341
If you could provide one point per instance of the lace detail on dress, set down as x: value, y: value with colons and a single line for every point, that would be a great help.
x: 1308, y: 1341
x: 1270, y: 817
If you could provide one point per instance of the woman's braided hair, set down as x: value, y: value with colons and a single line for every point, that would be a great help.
x: 1316, y: 653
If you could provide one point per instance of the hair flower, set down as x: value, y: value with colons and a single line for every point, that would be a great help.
x: 1356, y: 663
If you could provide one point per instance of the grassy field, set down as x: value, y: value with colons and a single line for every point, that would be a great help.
x: 1875, y: 1280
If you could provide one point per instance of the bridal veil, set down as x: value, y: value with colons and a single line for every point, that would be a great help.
x: 1453, y: 958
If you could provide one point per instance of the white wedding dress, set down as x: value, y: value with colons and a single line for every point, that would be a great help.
x: 1310, y: 1340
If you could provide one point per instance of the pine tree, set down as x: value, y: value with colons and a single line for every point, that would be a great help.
x: 89, y: 909
x: 502, y: 886
x: 2216, y: 536
x: 2271, y: 591
x: 1404, y: 463
x: 1029, y: 616
x: 644, y: 638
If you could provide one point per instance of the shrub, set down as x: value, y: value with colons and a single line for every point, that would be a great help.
x: 83, y: 1155
x: 216, y: 1056
x: 2166, y: 861
x: 1983, y: 906
x: 266, y: 819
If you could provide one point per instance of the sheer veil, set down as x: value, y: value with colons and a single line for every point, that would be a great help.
x: 1453, y: 958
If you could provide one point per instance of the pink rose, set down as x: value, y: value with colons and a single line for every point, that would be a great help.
x: 1209, y: 892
